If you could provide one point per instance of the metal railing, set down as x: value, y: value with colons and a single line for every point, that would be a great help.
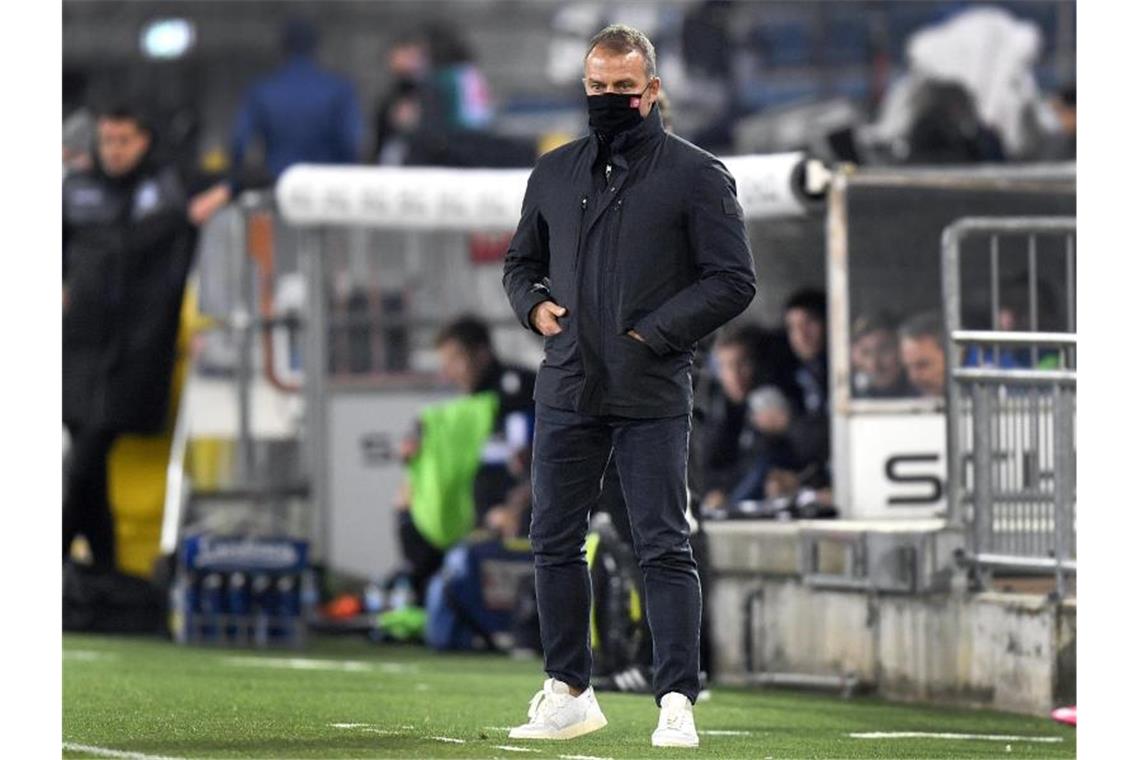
x: 1012, y: 396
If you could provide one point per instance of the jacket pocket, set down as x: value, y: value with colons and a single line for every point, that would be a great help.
x: 558, y: 349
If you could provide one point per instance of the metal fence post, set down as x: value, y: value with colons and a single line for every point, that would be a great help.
x: 983, y: 468
x: 1063, y: 482
x: 952, y: 305
x: 316, y: 369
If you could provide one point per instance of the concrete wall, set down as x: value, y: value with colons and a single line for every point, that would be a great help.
x: 1005, y: 651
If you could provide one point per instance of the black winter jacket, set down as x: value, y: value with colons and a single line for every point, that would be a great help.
x: 127, y: 251
x: 659, y: 248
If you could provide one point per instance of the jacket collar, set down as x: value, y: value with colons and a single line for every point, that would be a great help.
x: 629, y: 143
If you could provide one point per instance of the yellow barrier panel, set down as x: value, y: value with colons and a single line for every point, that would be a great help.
x: 136, y: 468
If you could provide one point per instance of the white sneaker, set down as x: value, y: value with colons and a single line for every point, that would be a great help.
x: 556, y: 714
x: 675, y: 727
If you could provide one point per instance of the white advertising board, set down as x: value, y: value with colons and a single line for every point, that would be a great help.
x: 897, y: 465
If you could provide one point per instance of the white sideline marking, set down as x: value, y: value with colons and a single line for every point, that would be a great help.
x: 448, y: 739
x: 496, y: 728
x: 509, y: 748
x: 370, y: 728
x: 87, y: 655
x: 105, y: 752
x: 583, y: 757
x: 930, y: 735
x: 726, y: 733
x: 301, y: 663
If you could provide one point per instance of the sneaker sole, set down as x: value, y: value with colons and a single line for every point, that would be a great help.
x: 589, y: 725
x: 674, y: 743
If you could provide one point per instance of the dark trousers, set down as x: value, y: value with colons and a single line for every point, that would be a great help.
x: 423, y: 559
x: 571, y: 452
x: 86, y: 507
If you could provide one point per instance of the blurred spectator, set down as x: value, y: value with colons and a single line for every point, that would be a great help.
x: 877, y: 369
x: 921, y: 345
x: 438, y: 111
x: 1013, y: 315
x: 401, y: 111
x: 805, y: 319
x: 947, y: 130
x: 502, y: 482
x: 734, y: 360
x: 466, y: 95
x: 127, y: 248
x: 987, y: 51
x: 770, y: 417
x: 744, y: 358
x: 1059, y: 143
x: 300, y: 113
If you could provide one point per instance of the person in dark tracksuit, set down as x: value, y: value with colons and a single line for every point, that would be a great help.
x: 127, y: 252
x: 630, y: 248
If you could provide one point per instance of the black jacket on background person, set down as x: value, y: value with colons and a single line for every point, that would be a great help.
x: 127, y: 251
x: 659, y: 247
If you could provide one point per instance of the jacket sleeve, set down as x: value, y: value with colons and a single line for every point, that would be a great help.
x: 726, y: 280
x: 527, y: 265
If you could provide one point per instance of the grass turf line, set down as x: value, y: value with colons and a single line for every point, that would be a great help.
x: 350, y: 699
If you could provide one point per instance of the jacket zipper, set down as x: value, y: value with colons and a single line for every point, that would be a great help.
x: 581, y: 224
x: 608, y: 268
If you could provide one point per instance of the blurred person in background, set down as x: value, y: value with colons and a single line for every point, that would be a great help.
x: 1013, y: 315
x: 299, y: 113
x: 877, y: 369
x: 744, y: 358
x: 784, y: 451
x: 127, y: 249
x: 630, y: 248
x: 734, y: 362
x: 970, y: 80
x: 465, y: 93
x: 502, y: 481
x: 805, y: 319
x: 947, y: 129
x: 439, y: 111
x: 1059, y: 139
x: 921, y: 346
x: 401, y: 112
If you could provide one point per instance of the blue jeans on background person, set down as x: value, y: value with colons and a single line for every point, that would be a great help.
x: 571, y: 451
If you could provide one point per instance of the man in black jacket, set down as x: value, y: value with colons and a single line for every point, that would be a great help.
x: 127, y: 251
x: 630, y: 248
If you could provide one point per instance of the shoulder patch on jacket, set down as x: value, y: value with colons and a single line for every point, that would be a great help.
x: 731, y: 206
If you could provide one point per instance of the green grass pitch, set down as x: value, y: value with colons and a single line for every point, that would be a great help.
x: 146, y: 699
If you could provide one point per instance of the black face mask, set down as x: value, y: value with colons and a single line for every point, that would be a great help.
x: 614, y: 112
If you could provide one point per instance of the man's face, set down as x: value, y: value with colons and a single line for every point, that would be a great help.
x: 624, y: 73
x: 805, y: 333
x: 876, y: 355
x: 461, y: 367
x: 122, y: 144
x: 925, y: 364
x: 408, y: 61
x: 734, y: 371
